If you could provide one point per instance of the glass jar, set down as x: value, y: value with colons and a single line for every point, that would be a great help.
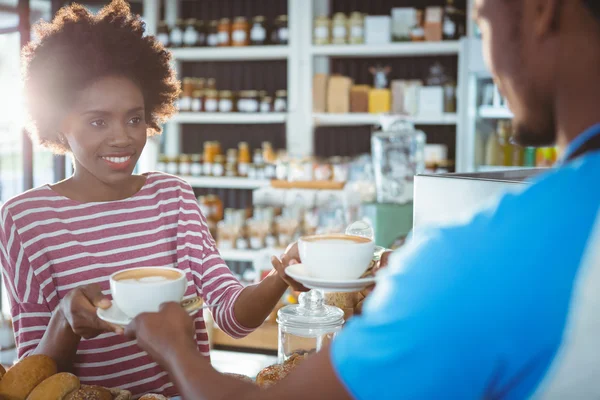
x: 258, y: 33
x: 225, y: 101
x: 190, y: 35
x: 398, y: 155
x: 201, y: 30
x: 218, y: 168
x: 212, y: 34
x: 232, y: 156
x: 185, y: 165
x: 258, y: 157
x: 196, y: 168
x: 162, y: 34
x: 216, y: 206
x: 248, y: 101
x: 339, y: 29
x: 172, y: 166
x: 356, y: 23
x: 266, y: 104
x: 243, y: 158
x: 185, y: 102
x: 161, y: 165
x: 211, y: 101
x: 240, y: 32
x: 176, y: 35
x: 280, y: 101
x: 211, y: 83
x: 268, y: 155
x: 230, y: 169
x: 196, y: 105
x: 224, y: 29
x: 209, y: 158
x: 307, y: 327
x: 321, y: 32
x: 280, y: 33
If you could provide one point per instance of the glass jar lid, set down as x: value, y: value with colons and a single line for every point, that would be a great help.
x: 311, y: 314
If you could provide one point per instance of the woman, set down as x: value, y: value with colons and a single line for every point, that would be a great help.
x: 96, y: 87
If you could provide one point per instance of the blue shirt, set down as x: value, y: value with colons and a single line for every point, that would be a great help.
x: 479, y: 310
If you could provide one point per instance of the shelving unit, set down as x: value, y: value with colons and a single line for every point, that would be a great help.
x: 388, y: 50
x: 229, y: 118
x: 353, y: 119
x: 489, y: 112
x: 231, y: 53
x: 225, y: 182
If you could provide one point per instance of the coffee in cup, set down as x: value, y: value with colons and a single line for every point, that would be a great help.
x: 139, y: 290
x: 336, y: 256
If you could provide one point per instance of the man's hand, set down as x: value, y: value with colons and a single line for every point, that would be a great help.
x: 166, y: 333
x: 290, y: 257
x: 79, y: 309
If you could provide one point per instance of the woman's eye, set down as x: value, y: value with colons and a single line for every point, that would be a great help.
x: 98, y: 122
x: 135, y: 120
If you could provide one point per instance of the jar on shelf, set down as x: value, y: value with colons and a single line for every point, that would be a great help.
x: 216, y: 206
x: 209, y: 158
x: 224, y: 29
x: 268, y: 155
x: 321, y: 31
x: 258, y: 157
x: 232, y: 156
x: 218, y: 168
x: 190, y: 35
x: 161, y: 165
x: 201, y: 29
x: 176, y: 35
x: 258, y: 32
x: 211, y: 83
x: 211, y: 100
x: 162, y: 34
x: 185, y: 165
x: 280, y: 104
x: 197, y: 98
x: 230, y: 169
x: 199, y: 84
x: 172, y: 165
x: 280, y: 33
x: 225, y: 101
x: 240, y: 32
x: 339, y: 29
x: 356, y: 24
x: 185, y: 102
x: 307, y: 327
x: 248, y: 101
x: 196, y: 168
x: 243, y: 158
x: 212, y: 34
x: 266, y: 104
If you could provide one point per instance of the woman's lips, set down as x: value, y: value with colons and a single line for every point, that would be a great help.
x: 118, y: 163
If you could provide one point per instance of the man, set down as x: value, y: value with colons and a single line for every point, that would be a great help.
x: 503, y: 307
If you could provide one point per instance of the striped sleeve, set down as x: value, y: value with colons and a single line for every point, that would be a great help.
x: 29, y: 310
x: 215, y: 281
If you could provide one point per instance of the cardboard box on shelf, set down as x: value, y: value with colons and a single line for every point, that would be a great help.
x: 378, y: 29
x: 431, y: 101
x: 433, y: 24
x: 320, y: 82
x: 338, y: 94
x: 359, y: 98
x: 380, y: 101
x: 403, y: 19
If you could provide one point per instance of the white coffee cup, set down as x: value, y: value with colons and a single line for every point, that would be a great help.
x: 139, y: 290
x: 336, y: 257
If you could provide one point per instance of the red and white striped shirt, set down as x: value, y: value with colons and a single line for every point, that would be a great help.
x: 51, y: 244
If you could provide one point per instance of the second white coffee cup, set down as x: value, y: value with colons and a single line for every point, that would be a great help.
x: 139, y: 290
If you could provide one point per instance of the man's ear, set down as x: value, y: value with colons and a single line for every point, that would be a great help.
x: 545, y: 15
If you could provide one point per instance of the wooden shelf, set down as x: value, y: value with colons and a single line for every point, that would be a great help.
x: 229, y: 118
x: 225, y: 182
x: 353, y: 119
x: 391, y: 49
x: 264, y: 337
x: 231, y: 53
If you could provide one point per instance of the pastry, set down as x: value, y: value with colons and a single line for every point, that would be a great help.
x: 270, y: 375
x: 20, y: 380
x: 241, y: 377
x: 90, y: 393
x: 55, y: 387
x: 119, y: 394
x: 153, y: 397
x: 2, y: 371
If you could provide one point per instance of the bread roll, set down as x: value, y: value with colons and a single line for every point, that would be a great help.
x: 153, y: 397
x: 56, y: 387
x: 90, y: 393
x: 270, y: 375
x: 21, y: 379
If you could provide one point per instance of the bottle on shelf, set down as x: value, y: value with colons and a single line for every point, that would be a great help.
x: 196, y: 168
x: 197, y: 100
x: 201, y: 28
x: 321, y: 31
x: 417, y: 32
x: 218, y: 167
x: 529, y: 157
x: 185, y: 165
x: 453, y: 26
x: 258, y: 33
x: 185, y: 102
x: 280, y: 32
x: 190, y: 34
x: 176, y: 35
x: 211, y: 100
x: 162, y: 34
x: 240, y: 32
x: 339, y: 29
x: 243, y: 159
x: 225, y: 101
x: 493, y: 150
x: 224, y: 29
x: 546, y: 157
x: 209, y: 158
x: 356, y: 31
x: 506, y: 148
x: 212, y: 34
x: 280, y: 104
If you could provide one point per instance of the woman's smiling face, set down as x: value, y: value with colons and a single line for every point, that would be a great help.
x: 106, y: 129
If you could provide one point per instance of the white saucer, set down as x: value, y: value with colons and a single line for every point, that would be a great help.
x: 299, y: 273
x: 114, y: 315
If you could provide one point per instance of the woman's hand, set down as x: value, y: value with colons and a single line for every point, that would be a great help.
x: 168, y: 333
x: 79, y: 309
x: 290, y: 257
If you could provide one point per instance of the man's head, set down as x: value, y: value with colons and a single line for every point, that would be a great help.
x: 527, y: 45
